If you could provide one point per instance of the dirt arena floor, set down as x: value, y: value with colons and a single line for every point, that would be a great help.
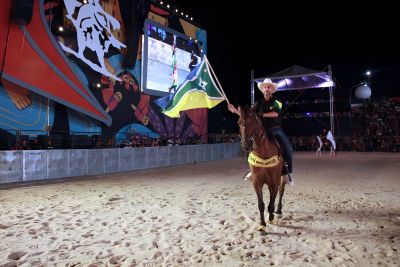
x: 342, y: 211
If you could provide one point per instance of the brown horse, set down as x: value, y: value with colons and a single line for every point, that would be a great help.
x: 265, y: 161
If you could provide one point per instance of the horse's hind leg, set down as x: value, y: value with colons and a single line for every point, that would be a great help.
x: 261, y: 205
x: 281, y: 191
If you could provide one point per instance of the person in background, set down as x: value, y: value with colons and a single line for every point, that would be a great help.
x: 17, y: 146
x: 318, y: 152
x: 193, y: 62
x: 36, y: 145
x: 25, y: 144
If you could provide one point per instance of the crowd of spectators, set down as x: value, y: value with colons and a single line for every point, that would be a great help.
x: 106, y: 141
x: 374, y: 127
x: 144, y: 141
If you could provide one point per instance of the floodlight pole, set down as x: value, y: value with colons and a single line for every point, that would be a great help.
x: 368, y: 73
x: 331, y: 114
x: 252, y: 87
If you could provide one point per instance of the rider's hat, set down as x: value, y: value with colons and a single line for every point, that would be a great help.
x: 267, y: 81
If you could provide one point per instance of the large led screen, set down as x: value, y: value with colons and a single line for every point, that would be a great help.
x: 168, y: 57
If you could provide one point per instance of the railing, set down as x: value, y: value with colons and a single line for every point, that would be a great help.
x: 27, y: 165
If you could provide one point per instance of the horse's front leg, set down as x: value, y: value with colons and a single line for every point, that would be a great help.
x: 273, y: 191
x: 281, y: 191
x: 261, y: 205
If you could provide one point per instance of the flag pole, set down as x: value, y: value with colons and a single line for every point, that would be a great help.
x: 212, y: 71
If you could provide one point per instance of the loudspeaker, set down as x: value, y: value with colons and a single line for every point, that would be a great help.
x: 22, y: 11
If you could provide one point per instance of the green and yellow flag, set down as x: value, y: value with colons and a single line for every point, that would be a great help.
x: 197, y: 91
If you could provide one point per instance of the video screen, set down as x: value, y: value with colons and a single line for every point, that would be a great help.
x: 168, y: 57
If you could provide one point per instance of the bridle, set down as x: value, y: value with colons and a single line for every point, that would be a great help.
x: 244, y: 138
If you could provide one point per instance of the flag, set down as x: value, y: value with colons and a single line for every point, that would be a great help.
x: 329, y: 136
x: 197, y: 91
x: 174, y: 69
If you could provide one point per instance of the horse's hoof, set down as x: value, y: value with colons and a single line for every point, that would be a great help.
x: 261, y: 228
x: 272, y: 219
x: 262, y: 233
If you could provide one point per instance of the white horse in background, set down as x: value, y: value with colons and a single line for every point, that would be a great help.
x: 318, y: 152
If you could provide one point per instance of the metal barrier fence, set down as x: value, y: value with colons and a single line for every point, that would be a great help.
x: 29, y: 165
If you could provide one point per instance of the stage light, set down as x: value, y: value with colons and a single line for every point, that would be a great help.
x: 326, y: 84
x: 368, y: 73
x: 161, y: 2
x: 61, y: 29
x: 191, y: 18
x: 176, y: 10
x: 182, y: 13
x: 168, y: 6
x: 98, y: 85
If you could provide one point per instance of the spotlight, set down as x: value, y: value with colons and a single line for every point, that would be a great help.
x: 60, y: 29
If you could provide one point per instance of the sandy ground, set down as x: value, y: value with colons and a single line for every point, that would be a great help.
x: 342, y: 211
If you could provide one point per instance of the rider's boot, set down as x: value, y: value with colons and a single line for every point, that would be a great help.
x: 289, y: 179
x: 247, y: 175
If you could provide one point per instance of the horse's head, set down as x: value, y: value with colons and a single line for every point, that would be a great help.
x: 250, y: 125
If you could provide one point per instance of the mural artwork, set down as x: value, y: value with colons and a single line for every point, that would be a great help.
x: 75, y: 69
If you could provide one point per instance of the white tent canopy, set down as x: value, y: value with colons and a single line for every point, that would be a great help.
x: 300, y: 78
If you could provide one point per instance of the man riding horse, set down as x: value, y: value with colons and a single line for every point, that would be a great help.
x: 268, y: 108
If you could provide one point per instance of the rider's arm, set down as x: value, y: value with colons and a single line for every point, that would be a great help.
x: 233, y: 109
x: 276, y: 109
x: 271, y: 114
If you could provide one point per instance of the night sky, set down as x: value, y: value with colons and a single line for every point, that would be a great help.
x: 270, y: 37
